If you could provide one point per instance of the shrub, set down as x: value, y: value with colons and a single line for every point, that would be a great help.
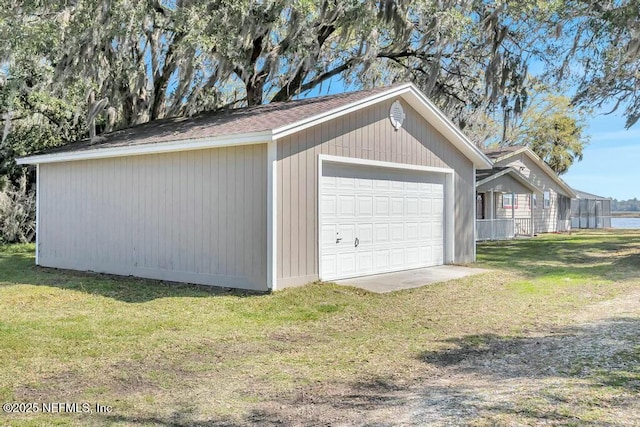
x: 17, y: 212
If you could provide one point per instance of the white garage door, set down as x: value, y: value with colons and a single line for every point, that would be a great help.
x: 376, y: 220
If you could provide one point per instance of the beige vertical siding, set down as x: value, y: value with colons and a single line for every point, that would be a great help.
x: 545, y: 219
x: 195, y: 216
x: 364, y: 134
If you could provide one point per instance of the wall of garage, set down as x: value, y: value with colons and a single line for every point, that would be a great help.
x: 364, y: 134
x: 193, y: 216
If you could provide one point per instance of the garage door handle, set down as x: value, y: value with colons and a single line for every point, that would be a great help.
x: 338, y: 239
x: 357, y: 242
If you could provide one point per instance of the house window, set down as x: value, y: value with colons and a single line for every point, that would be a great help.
x: 508, y: 200
x: 547, y: 200
x: 535, y: 200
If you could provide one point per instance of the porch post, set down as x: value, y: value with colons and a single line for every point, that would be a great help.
x: 492, y: 214
x: 513, y: 213
x: 531, y: 205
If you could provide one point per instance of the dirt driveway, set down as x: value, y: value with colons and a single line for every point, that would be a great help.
x: 583, y: 374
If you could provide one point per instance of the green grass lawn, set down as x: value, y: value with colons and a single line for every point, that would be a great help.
x: 173, y: 354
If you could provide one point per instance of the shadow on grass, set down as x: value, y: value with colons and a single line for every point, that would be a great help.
x: 607, y: 351
x: 601, y: 256
x: 18, y: 268
x: 590, y: 366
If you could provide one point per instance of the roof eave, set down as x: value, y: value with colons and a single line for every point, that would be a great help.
x: 516, y: 175
x: 151, y: 148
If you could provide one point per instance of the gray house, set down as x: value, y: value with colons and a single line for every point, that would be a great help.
x: 265, y: 197
x: 520, y: 195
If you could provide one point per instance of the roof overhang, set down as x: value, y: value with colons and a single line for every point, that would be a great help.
x: 151, y: 148
x: 515, y: 175
x: 408, y: 92
x: 568, y: 191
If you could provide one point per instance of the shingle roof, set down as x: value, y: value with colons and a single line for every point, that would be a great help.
x: 482, y: 174
x: 220, y: 123
x: 496, y: 153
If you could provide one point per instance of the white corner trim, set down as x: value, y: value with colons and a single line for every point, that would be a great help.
x: 272, y: 215
x: 38, y: 214
x: 450, y: 220
x: 380, y: 164
x: 475, y: 217
x: 318, y: 215
x: 150, y: 148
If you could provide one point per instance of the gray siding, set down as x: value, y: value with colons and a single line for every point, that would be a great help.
x: 365, y: 134
x: 195, y: 216
x: 545, y: 219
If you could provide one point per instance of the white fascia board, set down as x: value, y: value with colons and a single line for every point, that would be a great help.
x: 537, y: 160
x: 515, y: 174
x: 442, y: 123
x: 150, y: 148
x: 340, y: 111
x: 381, y: 164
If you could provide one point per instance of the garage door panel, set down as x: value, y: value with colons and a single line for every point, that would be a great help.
x: 425, y: 206
x: 382, y: 260
x: 382, y: 233
x: 397, y: 217
x: 397, y: 232
x: 365, y: 206
x: 346, y: 264
x: 330, y: 265
x: 328, y: 234
x: 329, y: 206
x: 411, y: 231
x: 411, y: 206
x: 364, y: 232
x: 346, y: 182
x: 413, y: 256
x: 382, y: 208
x: 397, y: 257
x: 346, y: 205
x: 347, y: 233
x: 397, y: 206
x: 381, y: 184
x: 365, y: 262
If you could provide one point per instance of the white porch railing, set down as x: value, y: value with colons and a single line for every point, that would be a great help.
x: 495, y: 229
x: 523, y: 227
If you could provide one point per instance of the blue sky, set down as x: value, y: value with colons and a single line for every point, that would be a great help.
x: 611, y: 164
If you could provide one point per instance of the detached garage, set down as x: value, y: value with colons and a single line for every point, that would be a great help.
x: 265, y: 197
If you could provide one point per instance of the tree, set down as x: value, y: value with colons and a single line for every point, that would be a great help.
x: 155, y: 59
x: 602, y: 51
x: 550, y: 125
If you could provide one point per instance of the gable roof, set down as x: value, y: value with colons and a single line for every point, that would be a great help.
x: 250, y: 125
x: 487, y: 175
x: 585, y: 195
x: 503, y: 153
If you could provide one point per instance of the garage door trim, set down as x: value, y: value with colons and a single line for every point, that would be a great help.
x: 449, y: 197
